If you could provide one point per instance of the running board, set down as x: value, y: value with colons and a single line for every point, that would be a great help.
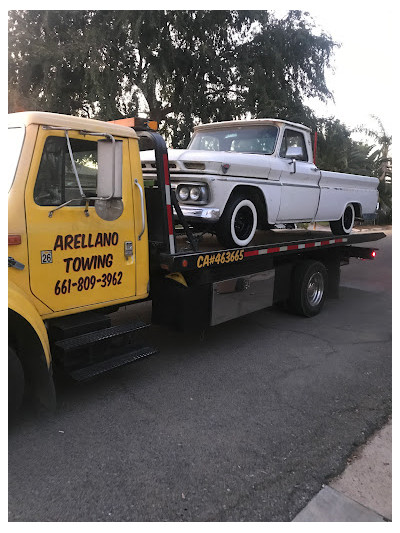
x: 91, y: 371
x: 94, y: 337
x: 95, y: 352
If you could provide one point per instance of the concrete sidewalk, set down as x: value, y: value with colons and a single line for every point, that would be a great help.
x: 363, y: 492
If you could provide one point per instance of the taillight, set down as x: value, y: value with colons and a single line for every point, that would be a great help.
x: 14, y: 239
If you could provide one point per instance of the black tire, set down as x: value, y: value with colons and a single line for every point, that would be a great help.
x: 345, y: 224
x: 308, y: 290
x: 16, y: 382
x: 238, y: 223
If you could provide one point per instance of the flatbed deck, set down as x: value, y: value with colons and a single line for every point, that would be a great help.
x: 265, y: 243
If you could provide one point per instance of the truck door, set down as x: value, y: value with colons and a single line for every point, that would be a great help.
x: 300, y: 183
x: 77, y: 258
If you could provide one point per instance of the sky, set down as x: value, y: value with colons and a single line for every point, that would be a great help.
x: 362, y: 79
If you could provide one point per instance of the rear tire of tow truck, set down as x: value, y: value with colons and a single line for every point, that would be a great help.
x: 16, y: 382
x: 238, y: 223
x: 308, y: 291
x: 345, y: 224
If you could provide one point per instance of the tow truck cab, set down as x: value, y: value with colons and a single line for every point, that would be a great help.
x: 83, y: 244
x: 77, y: 233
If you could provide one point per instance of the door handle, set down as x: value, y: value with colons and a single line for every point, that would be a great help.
x: 142, y: 205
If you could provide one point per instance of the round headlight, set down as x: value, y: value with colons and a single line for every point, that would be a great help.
x: 195, y: 193
x: 183, y: 193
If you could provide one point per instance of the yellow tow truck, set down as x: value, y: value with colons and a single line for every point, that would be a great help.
x: 86, y: 235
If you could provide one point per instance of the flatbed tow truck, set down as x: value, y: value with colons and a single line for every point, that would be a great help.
x: 95, y: 238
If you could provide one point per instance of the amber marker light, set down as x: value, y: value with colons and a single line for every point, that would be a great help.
x: 14, y: 239
x: 133, y: 122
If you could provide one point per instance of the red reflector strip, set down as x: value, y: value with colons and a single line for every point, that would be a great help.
x: 291, y: 247
x: 166, y: 169
x: 14, y: 239
x: 169, y: 217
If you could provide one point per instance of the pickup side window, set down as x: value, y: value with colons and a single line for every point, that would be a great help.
x: 56, y: 182
x: 293, y: 138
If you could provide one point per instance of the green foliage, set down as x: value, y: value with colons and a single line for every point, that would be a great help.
x: 184, y: 67
x: 338, y: 152
x: 382, y: 159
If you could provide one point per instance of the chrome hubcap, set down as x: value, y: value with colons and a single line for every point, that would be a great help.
x: 315, y: 288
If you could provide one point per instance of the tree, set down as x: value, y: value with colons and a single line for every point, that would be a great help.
x: 381, y: 150
x: 381, y: 155
x: 338, y: 152
x: 180, y: 67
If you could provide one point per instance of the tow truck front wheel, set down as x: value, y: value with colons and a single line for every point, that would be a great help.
x: 308, y: 289
x: 238, y: 223
x: 16, y: 382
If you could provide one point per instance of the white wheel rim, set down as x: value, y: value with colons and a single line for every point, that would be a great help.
x: 251, y: 206
x: 348, y: 229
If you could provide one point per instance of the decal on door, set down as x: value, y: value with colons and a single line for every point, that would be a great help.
x: 87, y: 263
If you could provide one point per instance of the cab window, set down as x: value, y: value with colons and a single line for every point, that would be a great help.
x: 56, y: 182
x: 293, y: 138
x: 245, y: 139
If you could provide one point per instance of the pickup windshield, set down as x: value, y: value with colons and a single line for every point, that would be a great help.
x: 247, y: 139
x: 15, y: 140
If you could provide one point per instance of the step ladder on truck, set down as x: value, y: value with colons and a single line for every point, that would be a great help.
x: 86, y: 237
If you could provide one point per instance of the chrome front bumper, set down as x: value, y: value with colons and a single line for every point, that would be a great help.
x: 208, y: 214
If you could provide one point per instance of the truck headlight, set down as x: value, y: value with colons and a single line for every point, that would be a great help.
x: 183, y: 193
x: 197, y: 194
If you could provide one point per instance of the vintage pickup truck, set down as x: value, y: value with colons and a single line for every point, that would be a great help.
x: 241, y: 175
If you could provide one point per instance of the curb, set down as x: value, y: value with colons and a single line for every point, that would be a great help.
x: 363, y: 492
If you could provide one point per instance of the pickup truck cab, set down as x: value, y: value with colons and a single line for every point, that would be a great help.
x: 238, y: 175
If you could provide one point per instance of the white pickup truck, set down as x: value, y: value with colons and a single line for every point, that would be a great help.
x: 241, y: 175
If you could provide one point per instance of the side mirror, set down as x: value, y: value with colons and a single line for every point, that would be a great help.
x: 295, y: 152
x: 109, y: 174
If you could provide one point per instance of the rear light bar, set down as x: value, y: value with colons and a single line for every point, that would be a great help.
x: 137, y: 123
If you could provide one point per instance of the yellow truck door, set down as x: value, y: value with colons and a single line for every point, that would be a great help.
x: 76, y: 257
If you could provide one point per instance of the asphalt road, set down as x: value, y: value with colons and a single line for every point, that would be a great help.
x: 244, y: 424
